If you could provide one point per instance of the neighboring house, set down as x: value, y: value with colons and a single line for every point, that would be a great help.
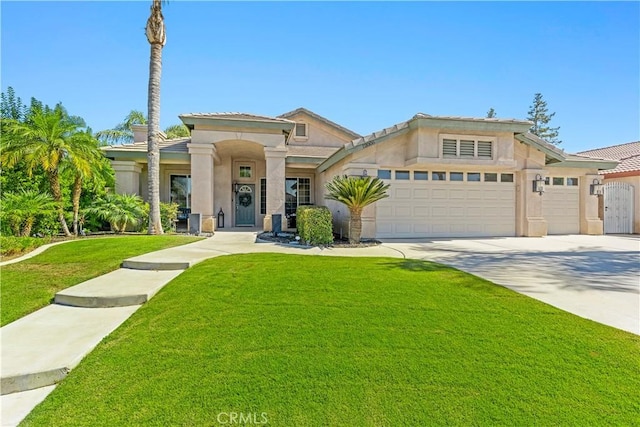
x: 448, y: 176
x: 621, y: 204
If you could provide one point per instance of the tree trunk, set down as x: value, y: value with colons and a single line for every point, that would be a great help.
x: 153, y: 150
x: 28, y: 225
x: 355, y: 225
x: 54, y: 183
x: 75, y: 198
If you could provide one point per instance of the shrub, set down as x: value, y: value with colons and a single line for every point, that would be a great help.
x: 122, y: 211
x: 13, y: 246
x: 168, y: 215
x: 315, y: 225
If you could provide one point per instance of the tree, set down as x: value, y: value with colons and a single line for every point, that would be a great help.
x: 539, y: 115
x: 177, y: 131
x: 356, y: 193
x: 122, y: 133
x: 491, y: 114
x: 46, y: 140
x: 156, y: 37
x: 20, y: 210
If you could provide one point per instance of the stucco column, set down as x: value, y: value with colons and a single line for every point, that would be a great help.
x: 590, y: 223
x: 275, y: 165
x: 530, y: 221
x: 127, y: 174
x: 202, y: 183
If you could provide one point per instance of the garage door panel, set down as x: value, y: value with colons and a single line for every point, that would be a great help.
x: 561, y: 209
x: 446, y: 209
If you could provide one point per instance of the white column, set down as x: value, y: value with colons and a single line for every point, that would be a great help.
x: 275, y: 165
x: 590, y: 223
x: 127, y: 174
x: 202, y: 183
x: 530, y: 221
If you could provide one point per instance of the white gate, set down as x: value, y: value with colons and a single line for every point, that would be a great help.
x: 618, y: 208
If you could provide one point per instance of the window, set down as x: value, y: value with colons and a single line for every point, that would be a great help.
x: 439, y: 176
x: 547, y: 181
x: 572, y: 182
x: 473, y: 176
x: 181, y: 190
x: 420, y: 175
x: 490, y: 177
x: 263, y: 196
x: 301, y: 130
x: 558, y: 180
x: 402, y: 175
x: 467, y: 148
x: 456, y: 176
x: 384, y: 174
x: 245, y: 172
x: 297, y: 192
x: 506, y: 177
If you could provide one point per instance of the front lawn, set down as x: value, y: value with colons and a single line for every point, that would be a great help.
x: 309, y: 341
x: 31, y: 284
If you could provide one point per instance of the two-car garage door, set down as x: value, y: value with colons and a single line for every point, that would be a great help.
x: 447, y: 209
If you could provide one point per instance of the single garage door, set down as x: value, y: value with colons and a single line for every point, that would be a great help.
x: 448, y: 208
x: 561, y: 206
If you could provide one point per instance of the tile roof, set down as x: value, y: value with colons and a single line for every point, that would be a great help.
x: 321, y: 119
x: 235, y: 116
x: 178, y: 145
x: 628, y: 154
x: 474, y: 119
x: 615, y: 152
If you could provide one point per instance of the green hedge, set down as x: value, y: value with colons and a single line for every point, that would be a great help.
x: 13, y: 246
x: 314, y: 225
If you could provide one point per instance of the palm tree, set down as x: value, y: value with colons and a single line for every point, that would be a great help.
x: 119, y: 210
x: 356, y: 192
x: 122, y: 133
x: 46, y: 140
x: 177, y: 131
x: 21, y: 209
x: 156, y: 36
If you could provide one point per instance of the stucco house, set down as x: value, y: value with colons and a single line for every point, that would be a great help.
x: 620, y: 207
x: 448, y: 176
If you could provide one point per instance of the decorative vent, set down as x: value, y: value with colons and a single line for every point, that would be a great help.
x: 484, y: 150
x: 449, y: 148
x: 301, y: 130
x: 467, y: 148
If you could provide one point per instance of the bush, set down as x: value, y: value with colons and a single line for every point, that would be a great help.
x: 13, y: 246
x: 314, y: 225
x: 168, y: 215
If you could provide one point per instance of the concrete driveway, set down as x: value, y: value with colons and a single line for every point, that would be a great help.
x: 596, y: 277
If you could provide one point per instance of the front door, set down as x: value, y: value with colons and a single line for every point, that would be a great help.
x: 245, y: 206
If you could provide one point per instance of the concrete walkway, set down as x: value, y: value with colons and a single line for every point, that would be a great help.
x: 596, y: 277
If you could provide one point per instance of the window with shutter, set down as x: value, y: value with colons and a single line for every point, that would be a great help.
x: 485, y: 150
x: 467, y: 148
x: 449, y: 148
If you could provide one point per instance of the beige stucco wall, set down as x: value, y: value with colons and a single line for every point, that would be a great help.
x: 635, y: 181
x: 319, y: 133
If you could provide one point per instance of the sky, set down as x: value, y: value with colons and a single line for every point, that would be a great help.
x: 363, y: 65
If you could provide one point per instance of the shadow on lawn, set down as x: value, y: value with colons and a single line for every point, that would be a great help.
x: 416, y: 265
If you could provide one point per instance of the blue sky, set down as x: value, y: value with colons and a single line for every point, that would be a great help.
x: 364, y: 65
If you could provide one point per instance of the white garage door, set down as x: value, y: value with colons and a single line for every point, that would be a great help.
x: 561, y: 209
x: 447, y: 209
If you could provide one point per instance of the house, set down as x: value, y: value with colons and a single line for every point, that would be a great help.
x: 448, y: 176
x: 620, y: 207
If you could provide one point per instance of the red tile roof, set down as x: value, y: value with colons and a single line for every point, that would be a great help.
x: 628, y: 154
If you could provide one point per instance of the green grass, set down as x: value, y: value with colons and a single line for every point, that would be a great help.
x: 312, y: 341
x: 31, y: 284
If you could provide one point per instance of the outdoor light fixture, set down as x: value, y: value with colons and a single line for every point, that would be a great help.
x: 538, y: 184
x: 236, y: 187
x: 597, y: 189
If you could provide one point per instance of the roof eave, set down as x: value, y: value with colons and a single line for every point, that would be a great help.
x: 552, y: 155
x: 283, y: 124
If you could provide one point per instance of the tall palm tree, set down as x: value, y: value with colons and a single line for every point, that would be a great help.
x: 156, y: 36
x: 356, y: 193
x: 46, y: 140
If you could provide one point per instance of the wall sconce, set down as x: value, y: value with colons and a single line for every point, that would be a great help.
x: 597, y: 189
x: 364, y: 172
x: 236, y: 187
x: 538, y: 184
